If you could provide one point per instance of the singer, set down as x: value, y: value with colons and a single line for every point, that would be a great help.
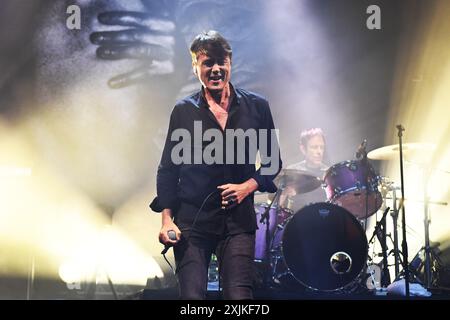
x: 210, y: 207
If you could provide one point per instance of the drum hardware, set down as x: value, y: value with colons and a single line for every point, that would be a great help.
x: 268, y: 232
x: 362, y: 152
x: 391, y: 152
x: 415, y: 267
x: 430, y: 257
x: 265, y: 234
x: 373, y: 281
x: 386, y: 153
x: 418, y: 154
x: 394, y: 215
x: 277, y: 275
x: 380, y: 227
x: 352, y: 166
x: 263, y: 245
x: 436, y: 202
x: 380, y: 233
x: 386, y: 186
x: 389, y: 186
x: 418, y: 266
x: 402, y: 186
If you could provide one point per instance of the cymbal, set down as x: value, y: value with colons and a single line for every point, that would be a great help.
x: 301, y: 181
x: 409, y: 150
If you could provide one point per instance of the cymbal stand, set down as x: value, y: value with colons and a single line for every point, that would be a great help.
x: 404, y: 243
x: 30, y: 276
x: 380, y: 232
x: 266, y: 216
x: 388, y: 187
x: 427, y: 248
x: 394, y: 215
x: 382, y: 238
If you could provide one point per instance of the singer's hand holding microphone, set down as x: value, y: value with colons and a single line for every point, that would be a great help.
x: 169, y: 235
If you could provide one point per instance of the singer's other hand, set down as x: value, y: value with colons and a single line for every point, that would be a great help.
x: 234, y: 194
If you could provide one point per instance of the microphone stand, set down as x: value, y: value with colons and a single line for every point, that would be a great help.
x: 404, y: 243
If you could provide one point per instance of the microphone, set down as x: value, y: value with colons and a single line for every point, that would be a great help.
x: 172, y: 236
x: 361, y: 149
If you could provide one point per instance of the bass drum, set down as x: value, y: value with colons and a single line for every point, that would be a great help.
x: 324, y: 247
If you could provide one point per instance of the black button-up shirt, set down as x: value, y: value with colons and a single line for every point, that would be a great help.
x: 184, y: 187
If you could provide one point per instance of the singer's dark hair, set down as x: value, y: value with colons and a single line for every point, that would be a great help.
x: 211, y: 43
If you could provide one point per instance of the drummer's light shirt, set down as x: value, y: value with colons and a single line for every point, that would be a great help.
x: 317, y: 195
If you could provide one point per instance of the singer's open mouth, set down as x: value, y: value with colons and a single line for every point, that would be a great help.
x: 216, y: 78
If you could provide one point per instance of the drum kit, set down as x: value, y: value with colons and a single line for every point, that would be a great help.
x: 323, y: 246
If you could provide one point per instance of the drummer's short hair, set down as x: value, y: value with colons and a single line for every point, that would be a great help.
x: 309, y: 133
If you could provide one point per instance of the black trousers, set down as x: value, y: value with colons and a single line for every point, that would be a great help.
x: 235, y: 255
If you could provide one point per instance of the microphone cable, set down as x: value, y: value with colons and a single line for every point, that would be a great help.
x: 223, y: 248
x: 193, y: 225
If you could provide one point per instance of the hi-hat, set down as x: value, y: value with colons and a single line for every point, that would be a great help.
x: 300, y: 181
x: 410, y: 150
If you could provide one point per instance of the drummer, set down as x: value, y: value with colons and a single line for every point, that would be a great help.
x: 312, y: 147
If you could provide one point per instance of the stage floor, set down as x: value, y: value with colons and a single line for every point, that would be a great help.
x: 277, y: 294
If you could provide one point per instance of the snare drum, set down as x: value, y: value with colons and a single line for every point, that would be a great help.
x: 345, y: 185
